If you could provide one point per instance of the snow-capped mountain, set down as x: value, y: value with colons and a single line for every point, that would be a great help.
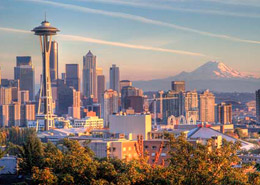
x: 215, y: 76
x: 213, y: 70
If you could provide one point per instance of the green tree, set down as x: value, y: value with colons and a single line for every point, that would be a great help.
x: 31, y: 154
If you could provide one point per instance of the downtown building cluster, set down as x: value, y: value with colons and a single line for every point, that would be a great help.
x: 78, y: 99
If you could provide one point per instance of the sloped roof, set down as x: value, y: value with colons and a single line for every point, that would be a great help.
x: 89, y: 54
x: 207, y: 133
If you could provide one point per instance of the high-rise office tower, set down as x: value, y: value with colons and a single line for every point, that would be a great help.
x: 72, y: 76
x: 114, y: 78
x: 173, y: 104
x: 126, y: 92
x: 54, y: 61
x: 14, y: 85
x: 15, y: 114
x: 89, y: 78
x: 178, y: 86
x: 207, y: 107
x: 27, y: 113
x: 4, y: 115
x: 99, y: 71
x: 74, y: 110
x: 224, y: 113
x: 101, y: 84
x: 5, y: 95
x: 24, y: 72
x: 10, y: 83
x: 23, y: 97
x: 109, y: 105
x: 136, y: 103
x: 257, y: 93
x: 191, y: 105
x: 65, y: 97
x: 124, y: 83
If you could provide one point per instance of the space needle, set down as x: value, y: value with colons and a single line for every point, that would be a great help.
x: 45, y: 108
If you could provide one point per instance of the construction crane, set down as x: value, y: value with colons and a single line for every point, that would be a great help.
x: 154, y: 99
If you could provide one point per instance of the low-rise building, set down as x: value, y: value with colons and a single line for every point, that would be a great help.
x: 93, y: 122
x: 121, y: 148
x: 250, y: 158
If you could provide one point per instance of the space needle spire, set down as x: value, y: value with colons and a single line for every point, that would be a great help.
x: 45, y: 109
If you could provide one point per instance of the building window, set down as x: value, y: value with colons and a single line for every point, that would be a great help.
x: 129, y: 148
x: 124, y: 149
x: 153, y: 154
x: 154, y: 147
x: 163, y: 154
x: 146, y: 146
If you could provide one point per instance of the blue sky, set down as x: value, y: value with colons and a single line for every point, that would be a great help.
x: 147, y: 39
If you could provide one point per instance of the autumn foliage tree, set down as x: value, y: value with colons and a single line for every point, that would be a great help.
x: 68, y: 162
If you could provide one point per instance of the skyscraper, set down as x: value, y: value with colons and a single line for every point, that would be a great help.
x: 24, y: 72
x: 178, y: 86
x: 191, y: 105
x: 136, y: 103
x: 74, y: 110
x: 72, y: 76
x: 124, y: 83
x: 173, y: 104
x: 89, y: 78
x: 4, y: 115
x: 101, y: 84
x: 207, y: 107
x: 257, y: 93
x: 5, y: 95
x: 126, y: 92
x: 14, y: 85
x: 23, y: 97
x: 109, y: 105
x: 99, y: 71
x: 15, y: 114
x: 27, y: 113
x: 54, y: 61
x: 114, y: 78
x: 65, y: 97
x: 224, y: 113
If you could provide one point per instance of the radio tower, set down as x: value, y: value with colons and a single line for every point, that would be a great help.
x: 45, y: 32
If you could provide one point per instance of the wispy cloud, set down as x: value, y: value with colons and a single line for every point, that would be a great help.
x: 252, y: 3
x: 14, y: 30
x: 157, y: 6
x: 110, y: 43
x: 143, y: 20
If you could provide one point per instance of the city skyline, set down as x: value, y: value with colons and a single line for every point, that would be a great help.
x: 120, y: 44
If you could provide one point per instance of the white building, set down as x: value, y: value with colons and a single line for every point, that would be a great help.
x: 137, y: 124
x: 88, y: 122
